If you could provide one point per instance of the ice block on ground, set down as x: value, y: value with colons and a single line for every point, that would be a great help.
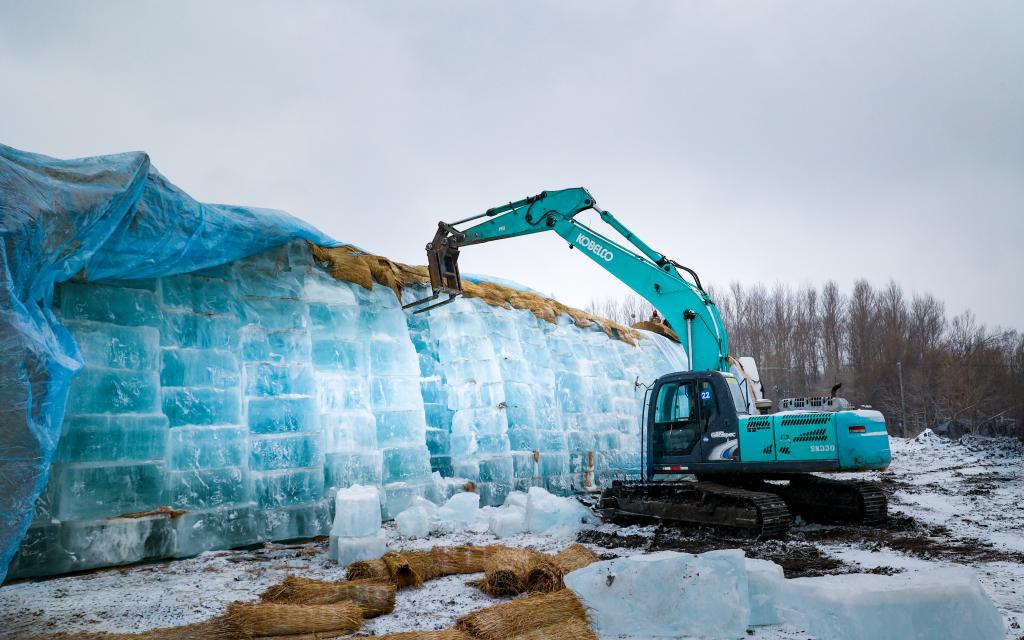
x: 356, y: 512
x: 507, y: 521
x: 933, y: 605
x: 766, y: 580
x: 546, y: 512
x: 345, y: 551
x: 459, y: 512
x: 416, y: 521
x: 666, y: 594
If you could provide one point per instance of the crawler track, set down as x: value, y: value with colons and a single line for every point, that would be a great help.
x: 827, y: 500
x: 753, y: 513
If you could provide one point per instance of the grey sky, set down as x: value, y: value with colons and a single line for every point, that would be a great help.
x: 772, y: 141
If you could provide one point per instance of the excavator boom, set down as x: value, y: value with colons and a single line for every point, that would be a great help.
x: 683, y: 302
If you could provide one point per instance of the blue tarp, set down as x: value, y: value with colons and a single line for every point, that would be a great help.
x: 94, y: 218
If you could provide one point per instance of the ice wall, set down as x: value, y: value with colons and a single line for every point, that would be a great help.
x: 246, y: 394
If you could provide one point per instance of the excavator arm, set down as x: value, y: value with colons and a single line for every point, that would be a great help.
x: 682, y: 302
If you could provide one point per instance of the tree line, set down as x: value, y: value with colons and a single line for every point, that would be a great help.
x: 898, y: 353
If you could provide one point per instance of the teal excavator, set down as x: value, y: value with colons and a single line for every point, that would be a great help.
x: 754, y: 470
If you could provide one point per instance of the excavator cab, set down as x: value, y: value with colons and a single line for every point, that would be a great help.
x: 692, y: 419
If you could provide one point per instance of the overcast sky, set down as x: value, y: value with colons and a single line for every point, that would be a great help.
x: 753, y: 141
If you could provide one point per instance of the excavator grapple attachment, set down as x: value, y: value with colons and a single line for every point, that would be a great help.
x: 443, y: 267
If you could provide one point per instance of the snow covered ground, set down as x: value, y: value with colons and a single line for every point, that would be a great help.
x: 952, y: 503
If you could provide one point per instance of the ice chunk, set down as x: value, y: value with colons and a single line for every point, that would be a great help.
x: 938, y: 604
x: 507, y: 521
x: 345, y: 551
x: 356, y: 511
x: 459, y: 512
x: 88, y: 491
x: 287, y: 487
x: 194, y: 489
x: 280, y: 452
x: 114, y: 391
x: 516, y: 499
x: 546, y: 512
x: 415, y: 522
x: 282, y: 415
x: 765, y: 580
x: 200, y: 406
x: 667, y: 594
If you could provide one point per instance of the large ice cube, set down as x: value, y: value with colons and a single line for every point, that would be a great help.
x: 356, y: 511
x: 765, y: 580
x: 415, y: 521
x: 459, y: 511
x: 507, y: 521
x: 667, y: 594
x: 345, y: 551
x: 939, y: 604
x: 549, y: 513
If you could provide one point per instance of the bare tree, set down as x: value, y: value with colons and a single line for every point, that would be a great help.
x: 955, y: 372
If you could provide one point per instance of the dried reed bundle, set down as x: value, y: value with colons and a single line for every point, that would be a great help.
x: 274, y: 619
x: 375, y: 597
x: 506, y: 571
x: 354, y: 265
x: 401, y: 572
x: 546, y: 575
x: 571, y: 629
x: 368, y: 569
x: 510, y: 619
x: 463, y: 559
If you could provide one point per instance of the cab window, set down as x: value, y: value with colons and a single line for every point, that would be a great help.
x: 738, y: 399
x: 708, y: 404
x: 676, y: 430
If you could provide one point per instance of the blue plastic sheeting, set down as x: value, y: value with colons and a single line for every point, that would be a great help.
x: 94, y: 219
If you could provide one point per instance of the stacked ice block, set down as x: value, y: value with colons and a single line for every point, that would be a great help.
x: 246, y: 394
x: 356, y: 533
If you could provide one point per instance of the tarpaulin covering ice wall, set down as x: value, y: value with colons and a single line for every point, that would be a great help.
x: 99, y: 218
x: 243, y: 391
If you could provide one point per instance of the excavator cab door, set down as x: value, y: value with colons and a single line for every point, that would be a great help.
x: 675, y: 431
x: 691, y: 420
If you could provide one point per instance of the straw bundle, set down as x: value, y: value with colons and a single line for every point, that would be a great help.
x: 657, y: 327
x: 510, y: 619
x: 375, y: 597
x: 402, y: 573
x: 506, y: 571
x: 368, y: 569
x: 412, y: 568
x: 450, y: 561
x: 354, y: 265
x: 444, y: 634
x: 571, y: 629
x: 546, y: 575
x: 274, y: 619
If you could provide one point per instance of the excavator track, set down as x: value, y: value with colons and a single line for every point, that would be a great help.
x: 752, y: 513
x: 828, y: 500
x: 835, y: 501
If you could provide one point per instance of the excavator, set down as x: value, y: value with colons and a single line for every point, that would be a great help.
x: 711, y: 453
